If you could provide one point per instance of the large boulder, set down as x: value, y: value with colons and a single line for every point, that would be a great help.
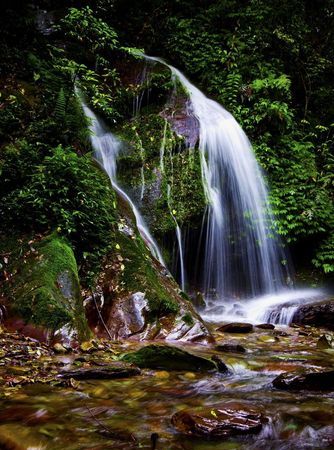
x: 43, y: 294
x: 322, y: 380
x: 137, y: 297
x: 320, y: 314
x: 166, y: 357
x: 229, y: 419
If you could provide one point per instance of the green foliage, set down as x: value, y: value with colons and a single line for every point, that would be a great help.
x: 61, y: 191
x: 82, y: 25
x: 324, y: 258
x: 60, y: 108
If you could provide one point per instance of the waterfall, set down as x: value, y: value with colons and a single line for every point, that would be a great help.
x: 243, y: 254
x: 107, y: 148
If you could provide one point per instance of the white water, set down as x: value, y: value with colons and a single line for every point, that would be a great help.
x: 142, y: 176
x: 179, y: 242
x: 276, y: 308
x: 107, y: 148
x: 162, y: 148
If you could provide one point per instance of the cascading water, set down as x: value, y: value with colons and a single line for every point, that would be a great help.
x: 107, y: 148
x: 243, y: 255
x: 179, y: 242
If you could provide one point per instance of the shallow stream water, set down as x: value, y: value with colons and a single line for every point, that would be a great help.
x: 124, y: 413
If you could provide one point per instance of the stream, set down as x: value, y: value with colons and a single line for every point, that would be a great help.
x: 125, y: 413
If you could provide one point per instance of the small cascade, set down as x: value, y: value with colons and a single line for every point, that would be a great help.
x: 162, y: 148
x: 142, y: 169
x: 243, y: 254
x: 107, y: 148
x: 277, y: 308
x: 179, y: 241
x: 142, y: 176
x: 139, y: 97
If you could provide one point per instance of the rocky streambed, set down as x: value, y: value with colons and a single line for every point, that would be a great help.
x: 255, y: 388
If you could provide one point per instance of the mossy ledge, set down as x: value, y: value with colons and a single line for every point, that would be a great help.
x: 44, y: 289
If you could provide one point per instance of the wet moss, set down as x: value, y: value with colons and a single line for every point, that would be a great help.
x: 181, y: 171
x: 188, y: 319
x: 46, y: 289
x: 138, y: 274
x: 166, y: 357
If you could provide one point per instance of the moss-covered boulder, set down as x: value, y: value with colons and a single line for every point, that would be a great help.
x: 44, y: 289
x: 166, y: 357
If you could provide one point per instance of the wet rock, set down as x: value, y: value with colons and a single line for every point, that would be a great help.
x: 46, y: 291
x: 87, y: 346
x: 280, y: 333
x: 230, y: 348
x: 320, y: 314
x: 236, y: 327
x: 222, y: 367
x: 59, y: 348
x: 166, y: 357
x: 265, y: 326
x: 313, y: 381
x: 326, y: 341
x: 228, y: 420
x: 115, y: 369
x: 198, y: 300
x: 140, y: 300
x: 128, y: 315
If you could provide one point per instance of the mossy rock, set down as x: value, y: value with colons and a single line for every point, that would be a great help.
x: 46, y: 290
x: 166, y: 357
x: 138, y: 273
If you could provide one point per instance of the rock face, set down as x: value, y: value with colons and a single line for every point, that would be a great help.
x: 166, y: 357
x: 236, y: 327
x: 45, y: 291
x: 320, y: 314
x: 138, y: 297
x: 228, y: 420
x: 313, y: 381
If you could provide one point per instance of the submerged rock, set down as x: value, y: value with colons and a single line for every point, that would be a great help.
x: 230, y: 348
x: 320, y: 314
x: 166, y: 357
x: 265, y: 326
x: 116, y: 369
x: 222, y: 367
x: 228, y: 420
x: 236, y: 327
x: 308, y: 380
